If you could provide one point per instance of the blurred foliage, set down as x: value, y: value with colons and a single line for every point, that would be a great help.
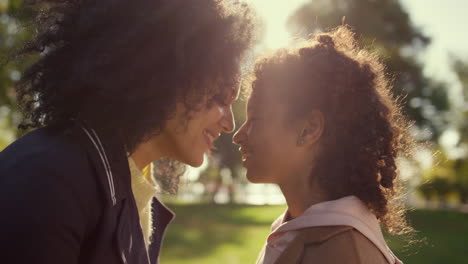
x: 227, y: 154
x: 460, y: 67
x: 14, y: 32
x: 450, y: 175
x: 447, y: 179
x: 385, y: 27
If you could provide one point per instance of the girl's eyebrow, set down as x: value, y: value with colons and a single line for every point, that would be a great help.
x: 253, y: 115
x: 250, y: 111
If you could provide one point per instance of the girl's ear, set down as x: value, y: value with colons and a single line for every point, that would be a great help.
x: 311, y: 128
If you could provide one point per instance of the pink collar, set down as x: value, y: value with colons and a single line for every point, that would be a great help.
x: 348, y: 211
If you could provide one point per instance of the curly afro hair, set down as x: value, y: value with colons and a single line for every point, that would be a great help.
x: 121, y: 65
x: 364, y: 130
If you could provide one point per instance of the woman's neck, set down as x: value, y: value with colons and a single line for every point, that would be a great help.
x: 301, y: 195
x: 147, y: 152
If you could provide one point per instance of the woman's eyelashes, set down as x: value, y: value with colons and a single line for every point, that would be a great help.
x: 223, y: 99
x: 217, y: 101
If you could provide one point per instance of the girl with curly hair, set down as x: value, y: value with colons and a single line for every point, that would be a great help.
x: 322, y: 125
x: 117, y: 84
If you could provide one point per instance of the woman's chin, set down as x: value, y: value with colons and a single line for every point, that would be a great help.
x: 195, y: 161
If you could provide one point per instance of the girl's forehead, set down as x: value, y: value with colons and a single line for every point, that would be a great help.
x: 264, y: 102
x: 255, y: 100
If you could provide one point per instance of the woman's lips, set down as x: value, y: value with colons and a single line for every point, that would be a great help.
x: 209, y: 138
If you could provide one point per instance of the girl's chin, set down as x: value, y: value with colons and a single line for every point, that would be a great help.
x: 255, y: 177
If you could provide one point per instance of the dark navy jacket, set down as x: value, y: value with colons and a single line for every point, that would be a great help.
x: 66, y: 198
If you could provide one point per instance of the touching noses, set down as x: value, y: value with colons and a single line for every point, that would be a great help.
x: 239, y: 136
x: 227, y: 119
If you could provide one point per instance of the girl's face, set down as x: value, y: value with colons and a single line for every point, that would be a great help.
x: 268, y: 141
x: 186, y: 140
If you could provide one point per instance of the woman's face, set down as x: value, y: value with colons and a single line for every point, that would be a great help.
x: 187, y: 139
x: 268, y: 142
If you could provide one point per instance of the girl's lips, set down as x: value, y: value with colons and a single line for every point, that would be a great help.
x: 245, y: 155
x: 246, y: 160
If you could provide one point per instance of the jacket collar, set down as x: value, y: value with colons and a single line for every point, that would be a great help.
x: 111, y: 161
x: 348, y: 211
x: 307, y: 236
x: 164, y: 216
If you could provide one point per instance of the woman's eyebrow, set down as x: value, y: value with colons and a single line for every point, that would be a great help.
x: 235, y: 93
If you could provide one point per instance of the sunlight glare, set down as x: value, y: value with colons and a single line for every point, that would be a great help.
x: 275, y: 14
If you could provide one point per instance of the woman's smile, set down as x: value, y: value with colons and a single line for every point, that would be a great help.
x: 210, y: 137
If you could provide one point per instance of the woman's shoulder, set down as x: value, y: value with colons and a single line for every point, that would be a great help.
x: 44, y: 160
x: 44, y: 150
x: 332, y: 244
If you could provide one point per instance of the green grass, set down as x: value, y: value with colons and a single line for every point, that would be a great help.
x: 232, y: 234
x: 444, y: 236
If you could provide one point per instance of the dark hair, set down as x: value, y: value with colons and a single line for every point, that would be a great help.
x: 122, y: 65
x: 364, y: 131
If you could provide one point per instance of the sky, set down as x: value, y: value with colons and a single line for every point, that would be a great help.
x: 275, y: 14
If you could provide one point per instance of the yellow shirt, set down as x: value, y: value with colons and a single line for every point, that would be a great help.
x: 144, y: 189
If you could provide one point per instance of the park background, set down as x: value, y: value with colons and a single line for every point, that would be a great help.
x: 221, y: 218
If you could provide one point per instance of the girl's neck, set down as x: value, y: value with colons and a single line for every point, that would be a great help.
x: 301, y: 195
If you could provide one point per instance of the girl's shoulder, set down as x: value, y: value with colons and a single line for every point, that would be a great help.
x: 331, y: 244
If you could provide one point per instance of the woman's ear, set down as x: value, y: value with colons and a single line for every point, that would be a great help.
x: 311, y: 128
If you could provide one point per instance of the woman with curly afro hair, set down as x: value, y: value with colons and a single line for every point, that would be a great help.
x: 322, y: 125
x: 117, y: 84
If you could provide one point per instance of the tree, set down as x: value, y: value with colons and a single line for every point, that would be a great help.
x: 460, y: 68
x: 385, y: 27
x: 461, y: 165
x: 13, y: 34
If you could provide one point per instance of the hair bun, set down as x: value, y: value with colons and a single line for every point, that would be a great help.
x: 326, y: 40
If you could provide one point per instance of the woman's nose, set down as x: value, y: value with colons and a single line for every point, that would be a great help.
x: 227, y: 121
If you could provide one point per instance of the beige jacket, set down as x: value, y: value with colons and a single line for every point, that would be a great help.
x: 339, y: 231
x: 332, y: 244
